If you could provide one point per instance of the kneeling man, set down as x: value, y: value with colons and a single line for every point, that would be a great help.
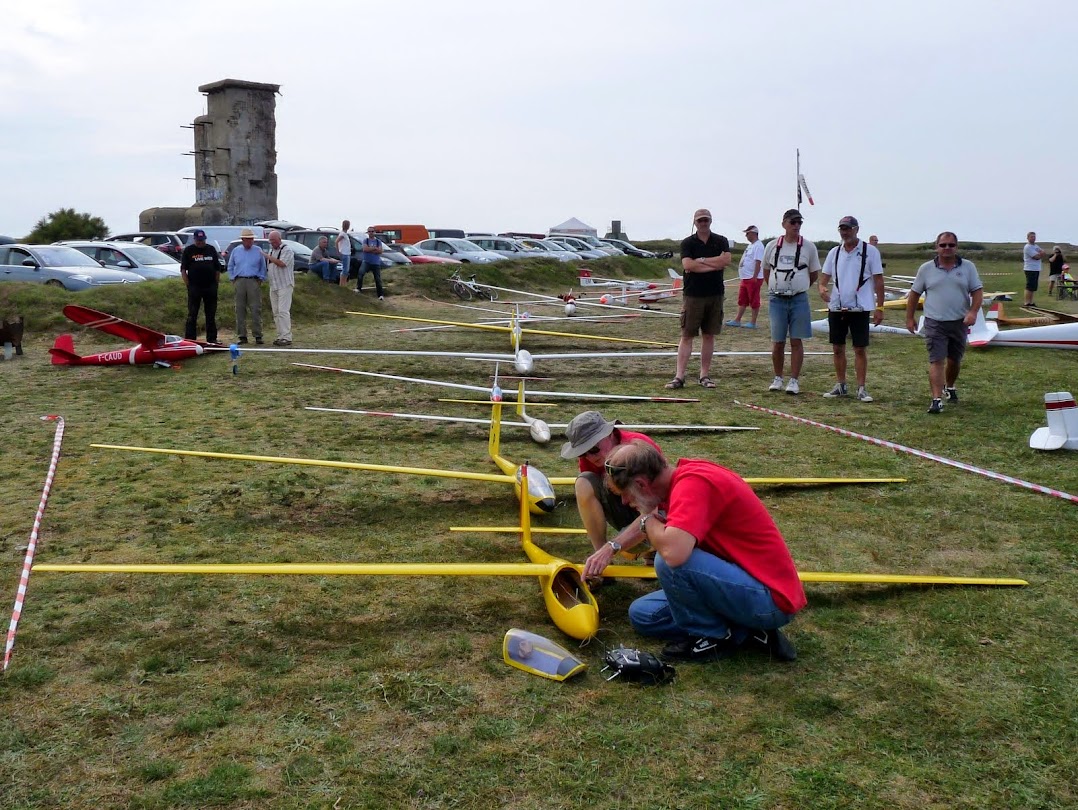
x: 728, y: 580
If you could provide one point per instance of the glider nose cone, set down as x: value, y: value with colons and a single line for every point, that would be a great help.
x: 546, y: 504
x: 199, y: 349
x: 540, y: 431
x: 524, y: 362
x: 570, y: 309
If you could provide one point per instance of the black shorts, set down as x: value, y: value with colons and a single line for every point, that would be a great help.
x: 1032, y: 277
x: 945, y: 340
x: 854, y: 322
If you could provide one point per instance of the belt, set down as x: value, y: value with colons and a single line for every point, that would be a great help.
x: 786, y: 294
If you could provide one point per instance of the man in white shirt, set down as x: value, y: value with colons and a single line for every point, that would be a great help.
x: 280, y: 261
x: 1031, y: 264
x: 751, y: 274
x: 856, y: 297
x: 343, y: 244
x: 791, y: 264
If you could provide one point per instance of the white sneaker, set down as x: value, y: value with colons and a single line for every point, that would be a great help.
x: 863, y: 395
x: 839, y: 390
x: 776, y: 384
x: 792, y: 387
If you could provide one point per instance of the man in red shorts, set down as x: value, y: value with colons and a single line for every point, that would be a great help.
x: 751, y: 273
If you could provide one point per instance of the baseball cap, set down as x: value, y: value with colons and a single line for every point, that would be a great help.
x: 791, y: 213
x: 851, y: 221
x: 584, y: 432
x: 199, y: 234
x: 701, y: 212
x: 751, y: 229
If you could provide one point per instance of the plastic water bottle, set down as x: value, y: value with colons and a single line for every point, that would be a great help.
x: 7, y: 349
x: 234, y: 353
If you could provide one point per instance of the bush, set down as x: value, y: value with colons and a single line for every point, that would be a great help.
x: 66, y: 224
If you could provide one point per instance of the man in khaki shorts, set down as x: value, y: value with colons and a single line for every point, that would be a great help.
x: 703, y: 257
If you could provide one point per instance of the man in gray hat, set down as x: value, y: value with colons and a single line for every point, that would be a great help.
x: 591, y: 439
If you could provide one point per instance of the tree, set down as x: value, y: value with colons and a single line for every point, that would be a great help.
x: 66, y: 224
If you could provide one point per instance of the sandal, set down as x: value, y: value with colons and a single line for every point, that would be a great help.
x: 677, y: 382
x: 707, y: 382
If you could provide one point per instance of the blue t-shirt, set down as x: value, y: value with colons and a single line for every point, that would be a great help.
x: 373, y: 259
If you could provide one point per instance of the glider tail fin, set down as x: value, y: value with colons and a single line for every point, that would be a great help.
x: 995, y: 312
x: 63, y: 352
x: 1062, y: 430
x: 678, y: 280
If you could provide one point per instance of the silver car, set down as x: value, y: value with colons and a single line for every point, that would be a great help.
x: 551, y: 250
x: 594, y: 242
x: 143, y: 260
x: 510, y: 248
x: 583, y: 248
x: 58, y: 266
x: 460, y: 249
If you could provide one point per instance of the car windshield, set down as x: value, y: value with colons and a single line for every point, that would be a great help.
x: 463, y: 244
x: 409, y: 250
x: 64, y: 257
x: 556, y: 246
x: 148, y: 255
x: 298, y: 248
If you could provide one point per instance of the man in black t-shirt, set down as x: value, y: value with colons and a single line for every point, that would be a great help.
x: 703, y: 257
x: 200, y: 268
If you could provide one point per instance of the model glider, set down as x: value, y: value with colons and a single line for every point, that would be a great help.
x: 997, y: 314
x: 1062, y: 430
x: 1068, y: 317
x: 987, y: 333
x: 152, y: 347
x: 821, y: 327
x: 568, y: 600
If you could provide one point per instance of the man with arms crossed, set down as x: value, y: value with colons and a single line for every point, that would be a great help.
x: 372, y: 262
x: 1031, y: 264
x: 791, y: 265
x: 857, y: 296
x: 953, y: 295
x: 750, y: 272
x: 703, y: 257
x: 728, y: 580
x: 591, y: 439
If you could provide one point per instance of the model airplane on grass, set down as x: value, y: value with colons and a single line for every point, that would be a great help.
x: 997, y: 314
x: 1062, y: 430
x: 1059, y: 336
x: 152, y: 347
x: 569, y: 602
x: 821, y: 327
x: 1066, y: 317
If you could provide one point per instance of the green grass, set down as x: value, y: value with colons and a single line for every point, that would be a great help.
x: 154, y: 692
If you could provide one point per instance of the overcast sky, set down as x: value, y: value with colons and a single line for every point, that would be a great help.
x: 492, y: 115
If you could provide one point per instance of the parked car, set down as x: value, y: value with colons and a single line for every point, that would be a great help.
x: 419, y: 257
x: 629, y: 249
x: 550, y: 249
x: 7, y: 240
x: 410, y: 234
x: 445, y: 233
x: 584, y: 250
x: 507, y: 247
x: 591, y: 241
x: 58, y: 266
x: 170, y: 242
x: 223, y: 234
x: 301, y: 252
x: 141, y: 259
x: 309, y: 238
x: 460, y: 249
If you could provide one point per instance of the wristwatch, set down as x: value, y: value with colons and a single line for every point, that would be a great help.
x: 644, y: 523
x: 615, y: 545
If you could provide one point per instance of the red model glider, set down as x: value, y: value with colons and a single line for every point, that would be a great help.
x: 153, y: 346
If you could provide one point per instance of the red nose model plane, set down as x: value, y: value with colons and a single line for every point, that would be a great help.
x: 153, y: 346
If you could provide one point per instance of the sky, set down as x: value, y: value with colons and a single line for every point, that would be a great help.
x: 915, y: 117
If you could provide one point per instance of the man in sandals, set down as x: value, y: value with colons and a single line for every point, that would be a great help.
x: 703, y: 257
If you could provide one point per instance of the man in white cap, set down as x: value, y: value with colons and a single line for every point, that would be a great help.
x: 247, y: 271
x: 703, y: 257
x: 591, y: 439
x: 751, y: 273
x: 855, y: 299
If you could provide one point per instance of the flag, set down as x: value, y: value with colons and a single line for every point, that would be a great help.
x: 801, y: 184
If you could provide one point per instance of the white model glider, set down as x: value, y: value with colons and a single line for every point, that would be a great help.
x: 1062, y: 430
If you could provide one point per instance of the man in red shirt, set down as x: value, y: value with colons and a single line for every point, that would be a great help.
x: 591, y: 439
x: 728, y: 580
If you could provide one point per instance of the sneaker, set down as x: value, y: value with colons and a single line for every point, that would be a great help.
x: 259, y: 341
x: 733, y: 323
x: 700, y: 649
x: 863, y: 395
x: 776, y: 384
x: 792, y: 387
x: 951, y: 395
x: 381, y: 298
x: 840, y: 390
x: 774, y: 643
x: 282, y: 342
x: 936, y: 406
x: 357, y: 291
x: 241, y: 340
x: 749, y: 325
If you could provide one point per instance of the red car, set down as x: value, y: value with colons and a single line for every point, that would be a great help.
x: 419, y: 257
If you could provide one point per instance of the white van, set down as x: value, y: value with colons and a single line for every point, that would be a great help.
x: 223, y: 234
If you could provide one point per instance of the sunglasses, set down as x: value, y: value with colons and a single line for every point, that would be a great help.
x: 947, y: 245
x: 613, y: 470
x: 593, y: 452
x: 795, y: 221
x: 845, y: 227
x: 704, y: 219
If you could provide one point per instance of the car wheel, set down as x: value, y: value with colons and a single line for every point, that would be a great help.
x: 53, y: 282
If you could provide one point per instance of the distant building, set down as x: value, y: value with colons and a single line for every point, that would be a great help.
x: 235, y: 159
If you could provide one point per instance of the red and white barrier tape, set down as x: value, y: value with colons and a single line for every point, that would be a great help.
x: 1055, y: 493
x: 28, y: 563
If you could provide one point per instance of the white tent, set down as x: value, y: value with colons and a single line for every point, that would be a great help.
x: 574, y: 225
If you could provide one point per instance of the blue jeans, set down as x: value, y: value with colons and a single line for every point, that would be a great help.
x: 705, y: 596
x: 790, y: 315
x: 328, y: 272
x: 376, y: 269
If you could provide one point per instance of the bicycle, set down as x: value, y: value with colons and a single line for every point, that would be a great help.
x: 465, y: 290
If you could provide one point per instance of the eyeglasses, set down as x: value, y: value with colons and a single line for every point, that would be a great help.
x: 703, y: 219
x: 845, y: 227
x: 795, y: 221
x: 947, y: 245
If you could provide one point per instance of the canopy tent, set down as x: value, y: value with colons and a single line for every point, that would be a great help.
x: 574, y: 225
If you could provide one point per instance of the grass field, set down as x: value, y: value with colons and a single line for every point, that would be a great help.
x: 154, y: 692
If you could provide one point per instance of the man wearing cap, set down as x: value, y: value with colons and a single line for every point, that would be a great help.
x: 750, y: 272
x: 247, y: 271
x: 857, y: 296
x: 703, y: 257
x: 728, y: 579
x: 280, y: 261
x: 372, y: 262
x: 591, y: 439
x: 200, y: 268
x: 791, y: 265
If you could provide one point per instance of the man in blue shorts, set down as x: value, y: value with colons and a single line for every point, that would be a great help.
x: 791, y: 265
x: 953, y: 295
